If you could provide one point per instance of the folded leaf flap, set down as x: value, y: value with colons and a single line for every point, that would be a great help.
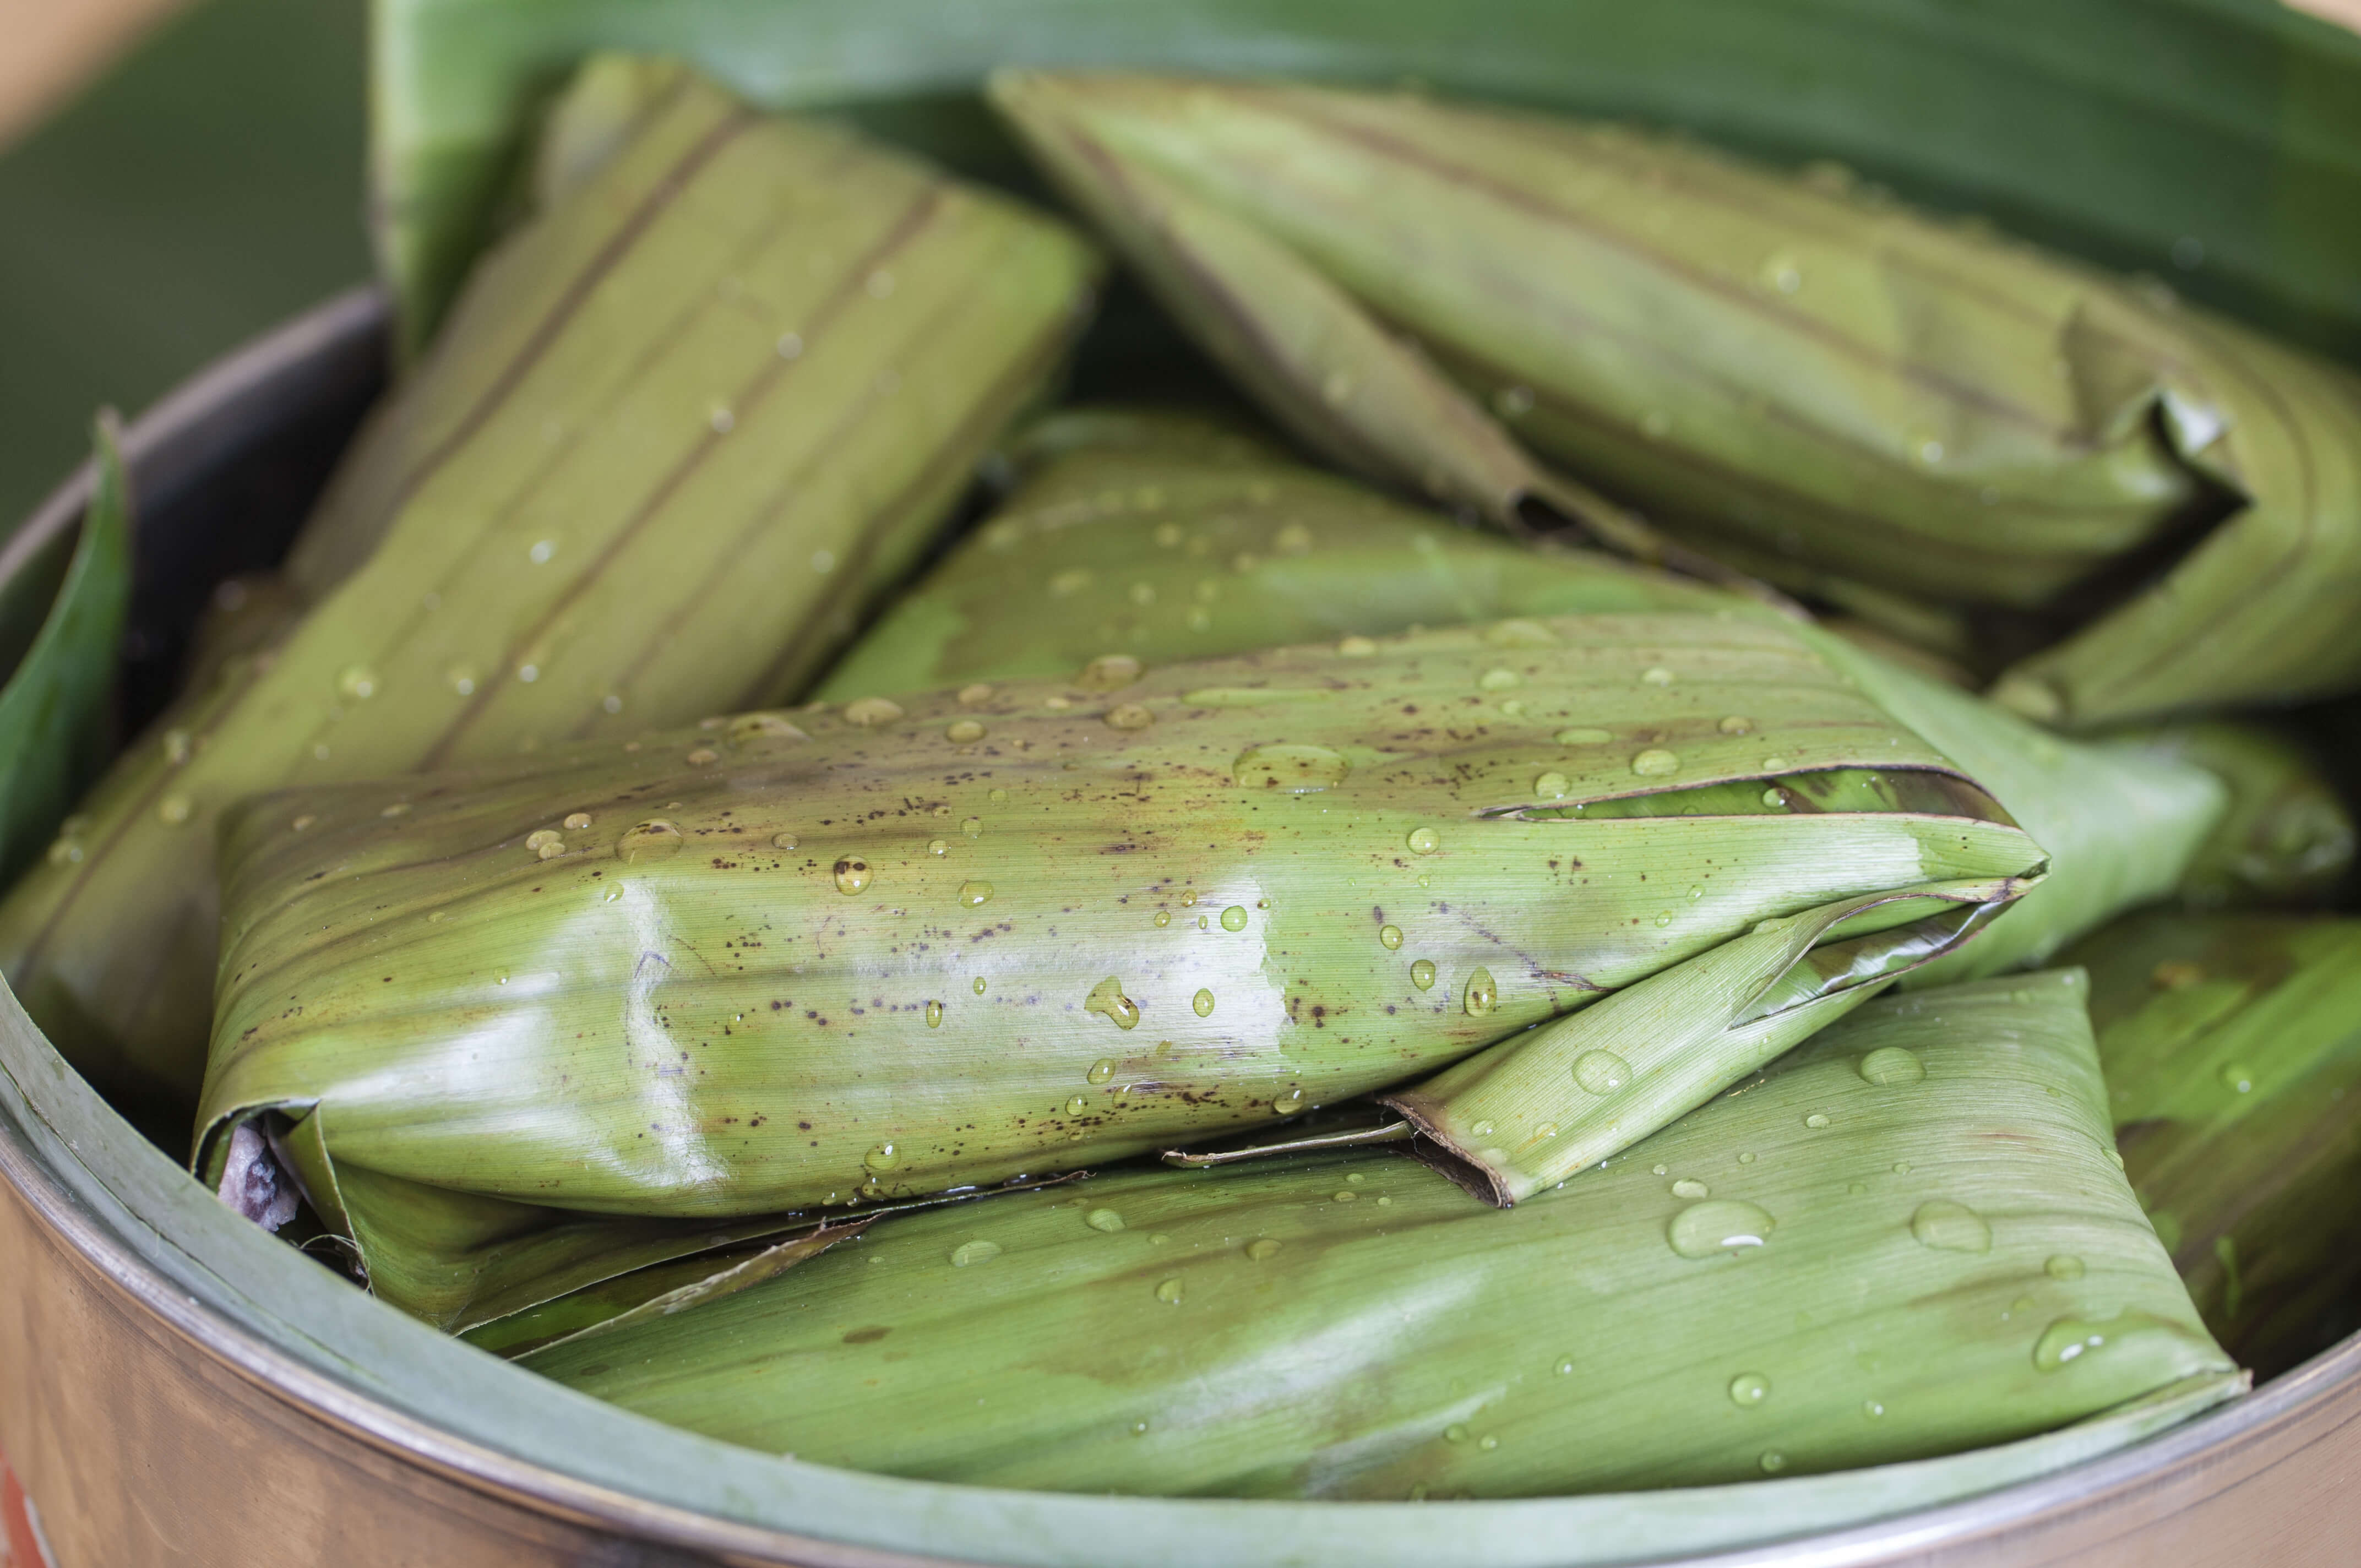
x: 1541, y: 1106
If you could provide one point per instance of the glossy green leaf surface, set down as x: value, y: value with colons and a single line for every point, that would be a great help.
x: 2287, y: 837
x: 685, y: 426
x: 53, y: 697
x: 2119, y: 129
x: 1839, y: 1264
x: 2232, y: 1045
x: 1134, y: 535
x: 939, y: 939
x: 1779, y: 360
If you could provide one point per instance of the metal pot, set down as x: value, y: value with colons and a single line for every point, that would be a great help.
x: 176, y: 1387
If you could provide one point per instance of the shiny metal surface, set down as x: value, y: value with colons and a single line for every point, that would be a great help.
x: 176, y: 1388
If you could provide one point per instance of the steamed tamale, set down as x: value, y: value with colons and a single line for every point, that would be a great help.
x: 2232, y: 1045
x: 1781, y: 360
x: 685, y: 425
x: 919, y: 942
x: 1905, y: 1239
x: 2286, y: 837
x: 1139, y: 534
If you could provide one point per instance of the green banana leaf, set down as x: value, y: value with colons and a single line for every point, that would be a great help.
x: 58, y: 632
x: 1907, y: 1239
x: 2211, y: 138
x: 1750, y: 356
x: 2232, y: 1045
x: 684, y: 428
x: 2287, y: 837
x: 921, y: 943
x: 1150, y: 536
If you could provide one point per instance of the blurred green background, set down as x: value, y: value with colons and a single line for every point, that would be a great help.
x: 207, y: 185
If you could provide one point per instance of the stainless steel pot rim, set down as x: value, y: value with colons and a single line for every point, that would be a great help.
x: 234, y: 1295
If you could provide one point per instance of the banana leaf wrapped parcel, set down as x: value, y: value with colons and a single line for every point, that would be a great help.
x: 2286, y: 839
x: 2232, y: 1045
x: 810, y: 958
x: 685, y: 424
x: 1906, y: 1238
x: 1142, y: 534
x: 1790, y: 363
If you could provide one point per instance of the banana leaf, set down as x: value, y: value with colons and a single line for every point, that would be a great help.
x: 1781, y: 360
x: 907, y: 945
x: 2287, y: 837
x: 2232, y: 1045
x: 684, y: 427
x: 1151, y: 536
x: 2207, y: 137
x: 1839, y: 1264
x: 57, y: 660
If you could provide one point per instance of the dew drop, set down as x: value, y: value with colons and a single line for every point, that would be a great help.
x: 1749, y: 1388
x: 1163, y: 918
x: 541, y: 838
x: 1565, y: 1367
x: 1263, y: 1249
x: 872, y: 711
x: 1500, y: 678
x: 1889, y: 1065
x: 961, y: 732
x: 1481, y: 994
x: 939, y: 847
x: 934, y: 1015
x: 1107, y: 998
x: 1815, y: 1120
x: 1871, y: 1408
x: 1129, y: 716
x: 1347, y: 1196
x: 357, y: 682
x: 1234, y: 918
x: 1655, y: 761
x: 1109, y: 671
x: 1583, y: 735
x: 782, y: 840
x: 174, y: 809
x: 2063, y: 1266
x: 973, y: 827
x: 1657, y: 675
x: 2238, y: 1078
x: 884, y: 1157
x: 463, y: 678
x: 576, y: 820
x: 1422, y: 974
x: 1423, y: 840
x: 1105, y: 1220
x: 1773, y: 765
x: 1168, y: 1292
x: 1663, y: 919
x: 979, y: 985
x: 1690, y: 1188
x: 1718, y: 1224
x: 975, y: 894
x: 702, y: 756
x: 1946, y: 1226
x: 1357, y: 648
x: 1552, y: 787
x: 968, y: 1253
x: 1774, y: 1462
x: 1203, y: 1002
x: 1288, y: 1104
x: 1601, y: 1072
x: 1455, y: 1432
x: 852, y: 874
x: 655, y: 839
x: 1774, y: 797
x: 1736, y: 724
x: 1389, y: 937
x: 1077, y: 1105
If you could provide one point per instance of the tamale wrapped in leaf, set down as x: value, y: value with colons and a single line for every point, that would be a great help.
x: 682, y: 428
x: 1134, y: 535
x: 2287, y: 837
x: 1907, y: 1238
x: 1784, y: 361
x: 945, y: 939
x: 2232, y: 1045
